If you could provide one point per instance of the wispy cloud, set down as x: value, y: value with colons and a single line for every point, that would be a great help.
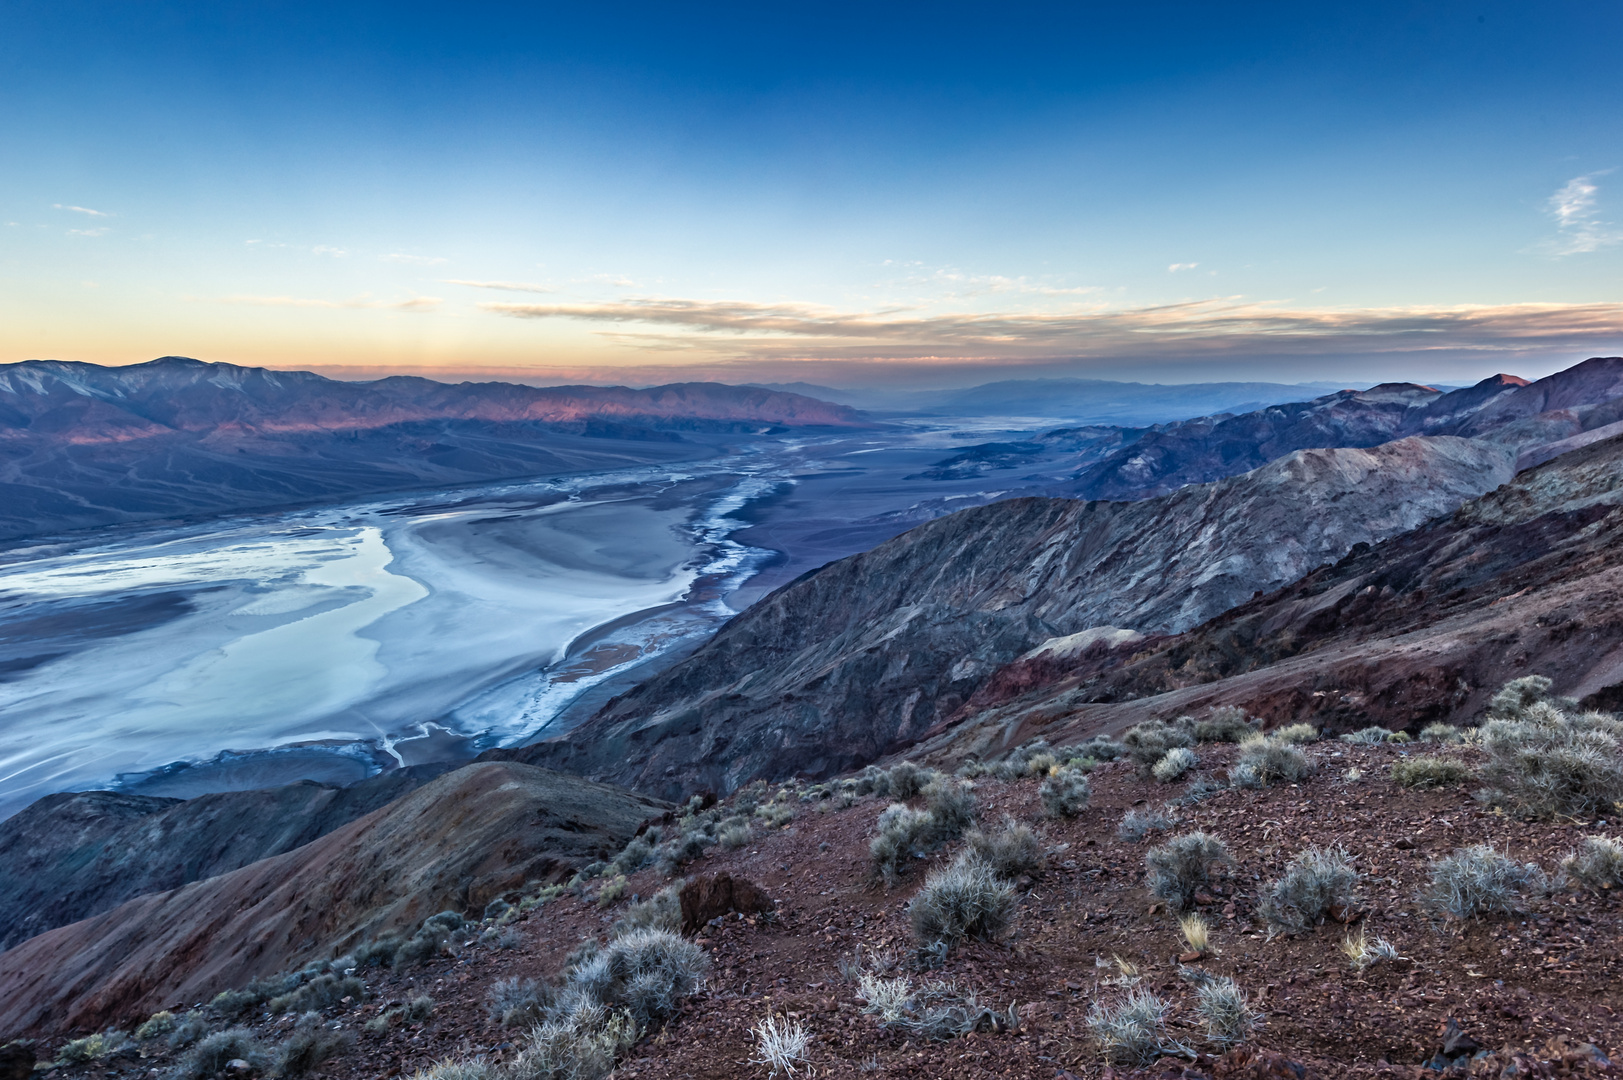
x: 505, y: 286
x: 81, y: 210
x: 1175, y: 267
x: 101, y: 231
x: 325, y: 249
x: 416, y: 303
x: 1575, y: 208
x: 1196, y: 328
x: 412, y: 260
x: 960, y: 283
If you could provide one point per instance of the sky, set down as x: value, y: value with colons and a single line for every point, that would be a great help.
x: 876, y: 194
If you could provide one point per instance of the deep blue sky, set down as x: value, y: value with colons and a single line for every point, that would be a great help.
x: 912, y: 194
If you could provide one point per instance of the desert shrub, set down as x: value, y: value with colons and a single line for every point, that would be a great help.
x: 1148, y: 743
x: 310, y: 1044
x: 1441, y: 733
x: 1066, y: 793
x: 1263, y: 762
x: 1478, y: 880
x: 210, y: 1054
x: 612, y: 890
x: 448, y: 921
x: 1010, y: 852
x: 1368, y: 736
x: 1223, y: 1006
x: 188, y: 1030
x: 662, y: 911
x: 420, y: 1008
x: 1133, y: 1031
x: 1178, y: 760
x: 1040, y: 764
x: 678, y: 851
x: 378, y: 952
x: 1183, y: 866
x: 907, y: 780
x: 1546, y: 762
x: 734, y: 834
x: 1597, y: 864
x: 775, y: 815
x: 902, y: 834
x: 473, y: 1069
x: 637, y: 854
x: 780, y: 1047
x: 1226, y: 723
x: 645, y: 972
x: 1099, y: 748
x: 515, y: 1002
x: 1137, y: 824
x: 1315, y: 881
x: 233, y: 1003
x: 1362, y: 952
x: 159, y: 1023
x: 1199, y: 790
x: 1430, y: 772
x: 931, y: 1010
x: 92, y: 1048
x: 322, y: 992
x: 951, y: 803
x: 508, y: 937
x: 428, y: 942
x: 578, y: 1045
x: 1297, y: 734
x: 1517, y: 696
x: 965, y: 900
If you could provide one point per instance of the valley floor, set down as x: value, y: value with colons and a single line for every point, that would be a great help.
x: 1543, y: 983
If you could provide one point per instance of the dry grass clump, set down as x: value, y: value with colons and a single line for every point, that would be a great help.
x: 1546, y: 760
x: 1066, y: 793
x: 780, y: 1045
x: 1362, y: 952
x: 1316, y: 881
x: 92, y: 1048
x: 1183, y: 866
x: 966, y: 900
x: 1013, y: 851
x: 1148, y: 743
x: 1137, y: 824
x: 1430, y: 772
x: 931, y: 1010
x: 1264, y: 762
x: 1597, y: 864
x: 310, y: 1044
x: 1226, y: 1011
x: 1225, y: 723
x: 159, y: 1023
x: 1178, y: 760
x: 1440, y: 732
x: 662, y: 911
x: 1369, y: 736
x: 1133, y: 1031
x: 1479, y: 880
x: 1197, y: 933
x: 1297, y: 734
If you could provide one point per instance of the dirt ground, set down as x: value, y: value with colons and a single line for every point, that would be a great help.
x: 1543, y: 983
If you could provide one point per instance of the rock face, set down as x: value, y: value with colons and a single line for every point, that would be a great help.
x: 1421, y: 628
x: 83, y: 445
x: 870, y: 652
x: 457, y: 842
x: 76, y: 854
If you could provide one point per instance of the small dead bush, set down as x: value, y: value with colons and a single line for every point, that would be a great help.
x: 780, y: 1045
x: 1178, y: 760
x: 1183, y: 866
x: 1368, y: 736
x: 1265, y: 762
x: 1066, y: 793
x: 1133, y: 1031
x: 931, y: 1010
x: 1597, y: 864
x: 1430, y: 772
x: 1137, y: 824
x: 580, y: 1044
x: 1229, y: 1017
x: 1479, y: 880
x: 1362, y: 951
x: 210, y: 1055
x: 515, y: 1002
x: 662, y: 911
x: 1316, y: 881
x: 1225, y: 723
x: 1013, y: 851
x: 966, y: 900
x: 1297, y: 734
x: 310, y: 1044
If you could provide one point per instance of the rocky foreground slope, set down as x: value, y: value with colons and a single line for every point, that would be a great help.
x: 457, y: 842
x: 867, y: 654
x: 83, y: 445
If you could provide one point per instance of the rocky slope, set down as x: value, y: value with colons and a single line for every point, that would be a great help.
x: 1420, y: 628
x: 77, y: 854
x: 83, y: 445
x: 457, y: 842
x: 870, y: 652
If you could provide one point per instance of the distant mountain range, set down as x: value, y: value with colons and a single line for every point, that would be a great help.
x: 83, y: 445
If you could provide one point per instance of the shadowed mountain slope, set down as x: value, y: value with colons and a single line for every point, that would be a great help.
x: 869, y: 652
x: 458, y: 841
x: 76, y: 854
x: 83, y: 445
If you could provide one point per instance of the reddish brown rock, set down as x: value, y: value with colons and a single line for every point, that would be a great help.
x: 710, y: 897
